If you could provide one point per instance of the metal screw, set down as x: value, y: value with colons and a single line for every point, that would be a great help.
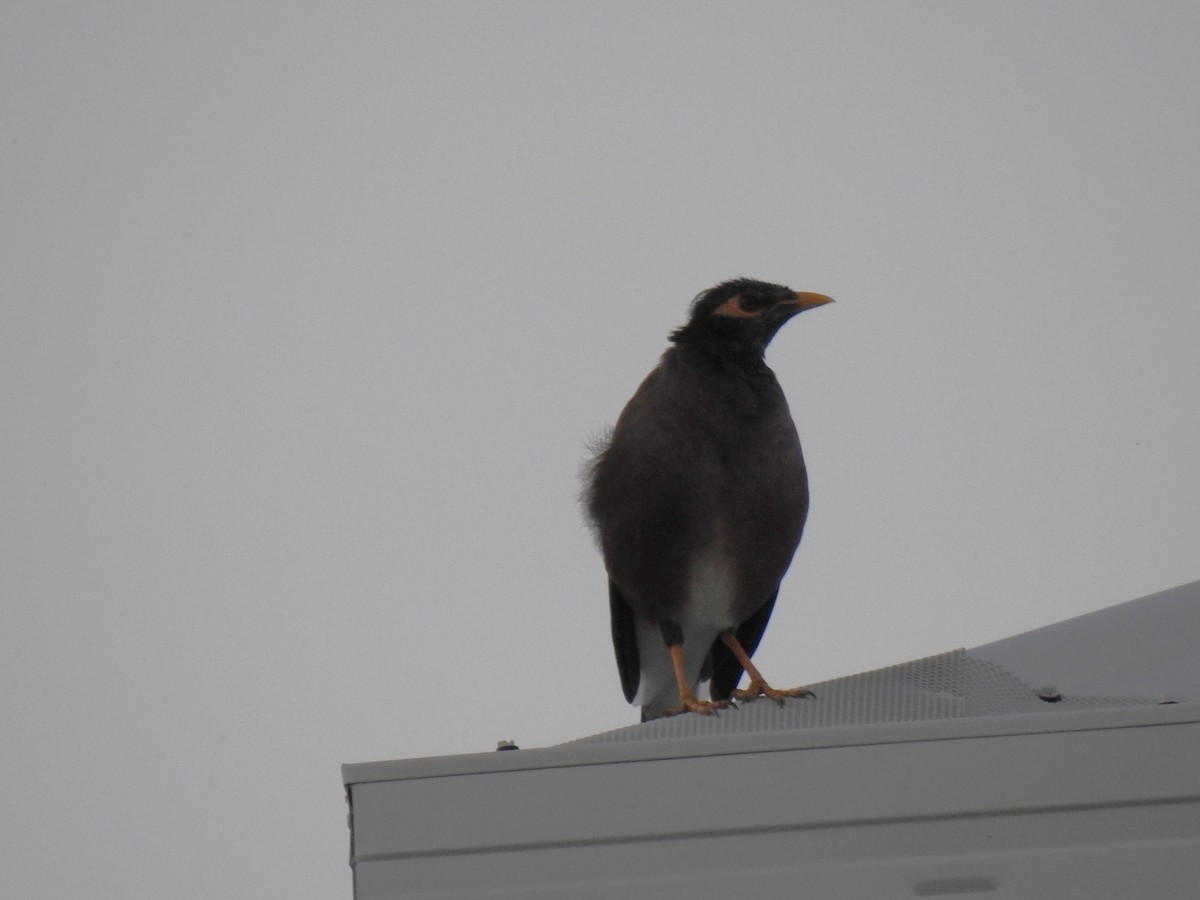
x: 1049, y: 693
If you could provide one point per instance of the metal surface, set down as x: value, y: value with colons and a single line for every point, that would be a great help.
x: 1148, y: 647
x: 949, y: 777
x: 1110, y: 797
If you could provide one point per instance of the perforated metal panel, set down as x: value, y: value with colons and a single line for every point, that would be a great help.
x: 945, y: 686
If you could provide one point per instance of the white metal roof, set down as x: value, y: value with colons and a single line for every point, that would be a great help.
x: 951, y: 776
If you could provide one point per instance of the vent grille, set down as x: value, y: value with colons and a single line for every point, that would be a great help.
x: 946, y: 686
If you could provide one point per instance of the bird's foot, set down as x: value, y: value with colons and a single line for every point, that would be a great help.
x: 759, y: 688
x: 691, y: 704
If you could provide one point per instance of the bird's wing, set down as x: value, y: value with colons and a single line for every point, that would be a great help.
x: 727, y: 671
x: 624, y: 636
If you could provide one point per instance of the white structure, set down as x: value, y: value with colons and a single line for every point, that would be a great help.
x: 1061, y: 763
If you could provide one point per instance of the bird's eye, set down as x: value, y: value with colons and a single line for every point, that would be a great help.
x: 754, y: 302
x: 743, y: 306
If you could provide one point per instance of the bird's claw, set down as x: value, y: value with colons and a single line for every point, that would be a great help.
x: 704, y: 707
x: 758, y: 689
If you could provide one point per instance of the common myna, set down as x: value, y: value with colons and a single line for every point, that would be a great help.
x: 698, y: 499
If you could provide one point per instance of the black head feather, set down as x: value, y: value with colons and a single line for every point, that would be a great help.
x: 739, y: 317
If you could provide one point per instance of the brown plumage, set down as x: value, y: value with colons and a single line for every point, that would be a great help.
x: 698, y: 501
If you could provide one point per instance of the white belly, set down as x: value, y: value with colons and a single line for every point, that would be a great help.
x: 709, y: 612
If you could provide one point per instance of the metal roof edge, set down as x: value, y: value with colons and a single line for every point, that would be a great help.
x: 568, y: 755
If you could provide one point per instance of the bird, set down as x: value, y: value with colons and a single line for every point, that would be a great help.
x: 697, y: 497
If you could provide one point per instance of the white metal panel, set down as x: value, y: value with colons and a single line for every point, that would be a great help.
x: 913, y: 780
x: 934, y: 814
x: 1148, y: 647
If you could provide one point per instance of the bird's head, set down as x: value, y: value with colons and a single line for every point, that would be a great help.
x: 739, y: 317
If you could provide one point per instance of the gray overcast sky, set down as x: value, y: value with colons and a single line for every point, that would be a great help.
x: 308, y: 312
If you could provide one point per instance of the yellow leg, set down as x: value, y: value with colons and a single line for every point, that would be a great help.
x: 758, y: 686
x: 687, y: 700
